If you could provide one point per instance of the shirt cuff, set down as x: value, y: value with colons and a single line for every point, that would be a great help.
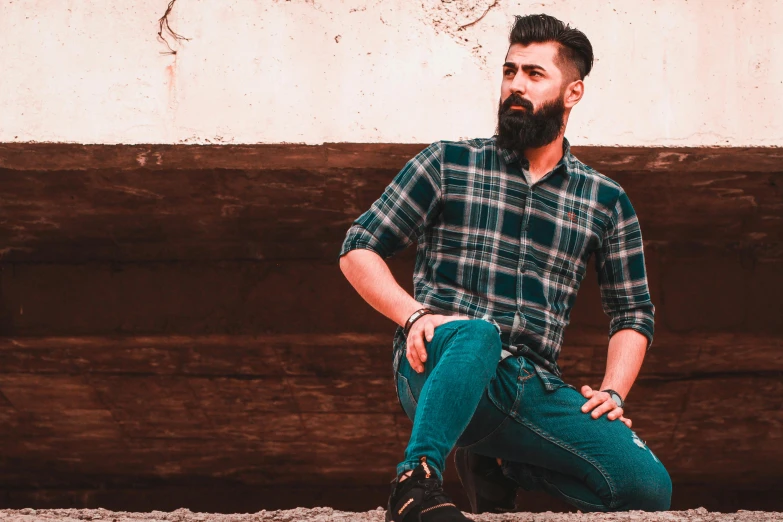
x: 643, y: 325
x: 360, y: 237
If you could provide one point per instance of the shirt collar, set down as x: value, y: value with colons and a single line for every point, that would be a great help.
x: 566, y: 164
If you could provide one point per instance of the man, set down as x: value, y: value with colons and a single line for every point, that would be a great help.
x: 505, y: 227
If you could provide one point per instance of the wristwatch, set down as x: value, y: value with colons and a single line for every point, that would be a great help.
x: 615, y: 397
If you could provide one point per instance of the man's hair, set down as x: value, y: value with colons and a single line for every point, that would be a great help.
x: 575, y: 51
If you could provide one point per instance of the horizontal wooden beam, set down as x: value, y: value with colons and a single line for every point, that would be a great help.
x: 262, y: 214
x: 716, y: 291
x: 272, y: 409
x: 176, y: 428
x: 73, y: 156
x: 674, y: 356
x: 82, y: 203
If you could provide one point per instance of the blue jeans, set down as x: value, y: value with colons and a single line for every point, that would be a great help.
x: 468, y: 398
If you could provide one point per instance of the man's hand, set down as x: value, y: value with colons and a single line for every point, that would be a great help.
x: 415, y: 351
x: 602, y: 402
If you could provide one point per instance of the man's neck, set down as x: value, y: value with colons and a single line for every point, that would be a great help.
x: 543, y: 159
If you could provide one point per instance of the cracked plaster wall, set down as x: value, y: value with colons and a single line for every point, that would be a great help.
x: 668, y: 72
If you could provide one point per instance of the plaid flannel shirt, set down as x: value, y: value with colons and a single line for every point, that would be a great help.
x: 493, y: 245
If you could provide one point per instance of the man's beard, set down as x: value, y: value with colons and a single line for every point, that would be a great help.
x: 528, y: 129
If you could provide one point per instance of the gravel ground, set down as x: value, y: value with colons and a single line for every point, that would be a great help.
x: 330, y: 515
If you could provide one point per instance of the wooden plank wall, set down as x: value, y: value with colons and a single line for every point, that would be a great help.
x: 173, y: 319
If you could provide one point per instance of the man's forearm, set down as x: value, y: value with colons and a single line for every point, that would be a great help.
x: 371, y: 278
x: 624, y: 360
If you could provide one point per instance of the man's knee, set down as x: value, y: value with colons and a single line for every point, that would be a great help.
x: 649, y: 489
x: 482, y: 334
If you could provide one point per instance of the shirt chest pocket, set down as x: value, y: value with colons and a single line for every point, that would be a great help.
x: 577, y: 235
x: 580, y: 235
x: 563, y: 236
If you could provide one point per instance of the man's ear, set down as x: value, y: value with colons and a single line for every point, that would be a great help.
x: 573, y: 93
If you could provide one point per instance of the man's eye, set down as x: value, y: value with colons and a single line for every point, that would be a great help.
x: 535, y: 73
x: 508, y: 72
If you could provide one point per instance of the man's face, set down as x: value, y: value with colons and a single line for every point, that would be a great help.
x: 531, y: 110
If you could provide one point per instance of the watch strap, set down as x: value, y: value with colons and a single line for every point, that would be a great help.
x: 615, y: 394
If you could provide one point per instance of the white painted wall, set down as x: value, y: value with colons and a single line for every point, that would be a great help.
x: 668, y: 72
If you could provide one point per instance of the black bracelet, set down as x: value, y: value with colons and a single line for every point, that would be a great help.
x: 415, y: 316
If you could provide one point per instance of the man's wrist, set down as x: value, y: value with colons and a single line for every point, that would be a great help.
x: 415, y: 316
x: 407, y: 312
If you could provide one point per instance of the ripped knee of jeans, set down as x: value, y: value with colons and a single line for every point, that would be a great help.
x: 488, y: 318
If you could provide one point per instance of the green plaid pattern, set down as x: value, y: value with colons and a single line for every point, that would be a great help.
x: 492, y: 245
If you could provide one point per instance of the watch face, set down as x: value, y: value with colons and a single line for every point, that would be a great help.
x: 617, y: 400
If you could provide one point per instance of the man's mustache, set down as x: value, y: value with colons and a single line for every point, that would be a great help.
x: 518, y: 100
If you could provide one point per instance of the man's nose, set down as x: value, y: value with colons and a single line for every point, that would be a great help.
x: 519, y: 85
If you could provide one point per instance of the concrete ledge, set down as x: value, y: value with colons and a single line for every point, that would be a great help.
x: 329, y: 514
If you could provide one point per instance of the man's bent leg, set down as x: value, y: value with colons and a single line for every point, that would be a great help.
x: 461, y: 359
x: 593, y: 464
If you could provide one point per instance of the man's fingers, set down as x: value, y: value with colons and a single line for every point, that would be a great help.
x: 627, y: 422
x: 615, y: 413
x: 412, y: 359
x: 603, y: 408
x: 416, y: 351
x: 592, y: 403
x: 429, y: 331
x: 587, y: 392
x: 423, y: 331
x: 412, y: 354
x: 418, y: 343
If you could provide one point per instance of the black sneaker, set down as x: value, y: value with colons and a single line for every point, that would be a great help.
x: 420, y: 498
x: 488, y: 490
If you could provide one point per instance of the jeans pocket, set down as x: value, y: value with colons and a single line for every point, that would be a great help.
x: 405, y: 396
x: 558, y: 383
x: 551, y: 381
x: 506, y: 388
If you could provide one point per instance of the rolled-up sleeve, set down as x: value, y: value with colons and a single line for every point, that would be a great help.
x: 408, y: 204
x: 622, y: 275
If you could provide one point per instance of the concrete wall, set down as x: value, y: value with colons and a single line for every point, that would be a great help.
x: 668, y: 73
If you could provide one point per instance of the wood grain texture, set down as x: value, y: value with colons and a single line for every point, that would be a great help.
x: 127, y: 216
x: 720, y: 292
x: 81, y: 203
x: 690, y: 403
x: 248, y: 357
x: 176, y: 315
x: 63, y: 156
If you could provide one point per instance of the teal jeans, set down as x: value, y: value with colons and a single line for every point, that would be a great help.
x: 468, y: 397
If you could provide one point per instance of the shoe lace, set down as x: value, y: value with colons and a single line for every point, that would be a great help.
x: 433, y: 490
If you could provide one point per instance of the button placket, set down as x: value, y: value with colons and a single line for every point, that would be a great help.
x: 524, y: 227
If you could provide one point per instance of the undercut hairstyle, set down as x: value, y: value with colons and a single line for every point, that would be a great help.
x: 575, y: 53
